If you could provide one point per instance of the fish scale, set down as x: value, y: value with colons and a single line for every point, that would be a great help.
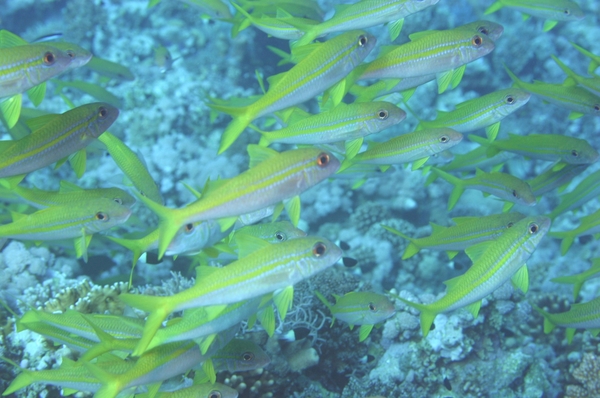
x: 60, y: 137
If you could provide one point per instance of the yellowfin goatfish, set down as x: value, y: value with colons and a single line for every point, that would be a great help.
x: 277, y: 177
x: 365, y: 14
x: 578, y: 280
x: 110, y: 69
x: 494, y: 263
x: 444, y: 53
x: 551, y: 147
x: 132, y: 166
x: 468, y: 231
x: 588, y: 225
x: 416, y: 147
x: 482, y: 112
x: 574, y: 98
x: 322, y: 68
x: 277, y: 27
x: 475, y: 159
x: 341, y: 123
x: 360, y: 308
x: 26, y: 67
x: 265, y: 270
x: 551, y: 10
x: 55, y: 137
x: 204, y: 390
x: 65, y: 222
x: 557, y: 175
x: 501, y: 185
x: 586, y: 190
x: 68, y: 195
x: 579, y: 316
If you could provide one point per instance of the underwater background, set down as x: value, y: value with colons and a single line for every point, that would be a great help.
x: 164, y: 118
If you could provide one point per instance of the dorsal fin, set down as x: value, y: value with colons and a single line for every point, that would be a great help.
x: 259, y: 154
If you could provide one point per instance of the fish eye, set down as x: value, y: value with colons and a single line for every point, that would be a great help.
x: 49, y: 58
x: 515, y: 194
x: 477, y: 41
x: 102, y: 112
x: 533, y: 228
x: 597, y: 107
x: 319, y: 249
x: 280, y: 236
x: 100, y: 216
x: 574, y: 153
x: 247, y: 356
x: 382, y: 114
x: 323, y: 159
x: 362, y: 40
x: 444, y: 139
x: 188, y: 228
x: 214, y: 394
x: 372, y: 307
x: 510, y: 224
x: 118, y: 200
x: 567, y: 11
x: 509, y: 99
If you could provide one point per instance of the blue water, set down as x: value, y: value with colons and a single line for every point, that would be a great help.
x: 164, y: 118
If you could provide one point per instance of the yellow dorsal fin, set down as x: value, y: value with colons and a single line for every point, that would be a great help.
x: 474, y: 252
x: 248, y: 244
x: 259, y: 154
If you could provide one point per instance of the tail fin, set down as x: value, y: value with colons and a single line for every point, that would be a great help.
x: 548, y: 325
x: 427, y: 314
x: 171, y: 220
x: 241, y: 120
x: 458, y: 186
x: 158, y: 307
x: 412, y: 247
x: 25, y: 378
x: 491, y: 151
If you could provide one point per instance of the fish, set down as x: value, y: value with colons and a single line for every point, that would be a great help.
x: 444, y: 53
x: 494, y: 263
x: 345, y: 122
x: 574, y: 98
x: 26, y: 67
x: 476, y: 159
x: 557, y: 175
x: 71, y: 376
x: 276, y: 27
x: 306, y: 9
x: 502, y: 185
x: 578, y: 280
x: 110, y: 69
x: 467, y: 232
x: 588, y: 225
x: 99, y: 93
x: 551, y: 10
x: 322, y: 68
x: 163, y: 58
x: 240, y: 355
x: 265, y: 270
x: 79, y: 222
x: 360, y: 308
x: 55, y: 137
x: 200, y: 324
x: 204, y: 390
x: 550, y: 147
x: 579, y: 316
x: 275, y: 177
x: 385, y: 87
x: 416, y: 147
x: 133, y: 166
x: 586, y: 190
x: 483, y: 112
x: 155, y: 366
x: 364, y: 14
x: 69, y: 194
